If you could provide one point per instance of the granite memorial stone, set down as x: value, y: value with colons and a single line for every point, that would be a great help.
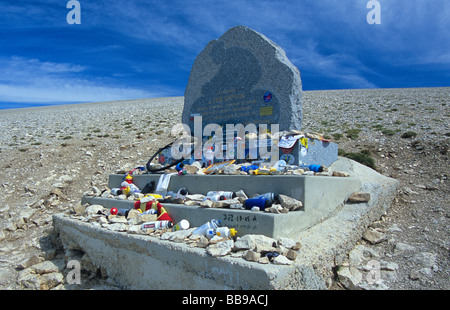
x: 243, y: 78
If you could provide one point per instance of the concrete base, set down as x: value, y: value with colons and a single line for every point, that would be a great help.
x: 144, y: 262
x: 321, y: 196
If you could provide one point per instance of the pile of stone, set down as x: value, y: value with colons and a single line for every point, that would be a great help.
x: 263, y: 169
x: 283, y: 203
x: 251, y: 247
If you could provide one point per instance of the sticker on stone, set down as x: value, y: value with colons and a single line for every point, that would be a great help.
x: 267, y: 96
x: 288, y: 158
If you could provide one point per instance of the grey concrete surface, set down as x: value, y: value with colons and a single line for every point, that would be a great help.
x: 144, y: 262
x: 321, y: 195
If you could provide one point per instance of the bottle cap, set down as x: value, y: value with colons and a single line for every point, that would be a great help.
x: 276, y: 197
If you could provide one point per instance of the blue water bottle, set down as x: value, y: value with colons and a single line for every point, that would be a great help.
x: 315, y: 168
x: 261, y: 203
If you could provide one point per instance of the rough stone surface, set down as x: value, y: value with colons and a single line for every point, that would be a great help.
x: 221, y: 248
x: 374, y: 236
x: 359, y: 197
x: 252, y: 256
x: 281, y: 260
x: 40, y: 138
x: 290, y: 203
x: 243, y: 77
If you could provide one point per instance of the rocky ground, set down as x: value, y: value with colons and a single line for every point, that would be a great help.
x: 50, y: 156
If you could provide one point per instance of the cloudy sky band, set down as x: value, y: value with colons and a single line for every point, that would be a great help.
x: 140, y: 49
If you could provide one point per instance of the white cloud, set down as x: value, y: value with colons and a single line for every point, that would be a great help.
x: 35, y: 81
x: 344, y: 68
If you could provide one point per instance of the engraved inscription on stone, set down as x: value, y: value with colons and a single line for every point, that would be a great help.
x: 243, y: 78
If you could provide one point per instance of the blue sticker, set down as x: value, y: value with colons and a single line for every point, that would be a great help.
x: 288, y: 158
x: 267, y: 96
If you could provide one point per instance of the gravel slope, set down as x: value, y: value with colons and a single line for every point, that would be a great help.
x: 50, y: 156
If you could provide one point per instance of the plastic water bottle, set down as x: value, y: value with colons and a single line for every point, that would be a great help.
x: 226, y: 232
x: 213, y: 224
x: 228, y: 195
x: 210, y: 233
x: 182, y: 192
x: 315, y: 168
x: 215, y: 198
x: 261, y: 203
x: 116, y: 191
x: 149, y: 211
x: 271, y: 196
x: 280, y: 165
x: 209, y: 155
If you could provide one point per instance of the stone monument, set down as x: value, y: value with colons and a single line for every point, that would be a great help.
x: 243, y: 78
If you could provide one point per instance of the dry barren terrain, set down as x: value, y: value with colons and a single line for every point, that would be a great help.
x: 50, y: 156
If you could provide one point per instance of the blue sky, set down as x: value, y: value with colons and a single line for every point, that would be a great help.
x: 142, y: 49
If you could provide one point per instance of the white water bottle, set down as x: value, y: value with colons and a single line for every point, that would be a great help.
x: 209, y: 156
x: 181, y: 193
x: 149, y: 211
x: 228, y: 195
x: 116, y: 191
x: 213, y: 224
x: 210, y: 233
x: 226, y: 232
x: 215, y: 198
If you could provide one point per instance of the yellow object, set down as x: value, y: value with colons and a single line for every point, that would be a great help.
x: 156, y: 196
x: 304, y: 142
x: 233, y: 232
x: 126, y: 190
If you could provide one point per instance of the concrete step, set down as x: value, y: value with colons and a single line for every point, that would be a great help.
x: 144, y: 262
x: 321, y: 197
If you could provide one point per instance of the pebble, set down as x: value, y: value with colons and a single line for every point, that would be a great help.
x: 94, y: 209
x: 252, y: 256
x: 374, y: 236
x: 220, y: 249
x: 290, y: 203
x: 350, y: 277
x: 359, y: 197
x: 282, y: 260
